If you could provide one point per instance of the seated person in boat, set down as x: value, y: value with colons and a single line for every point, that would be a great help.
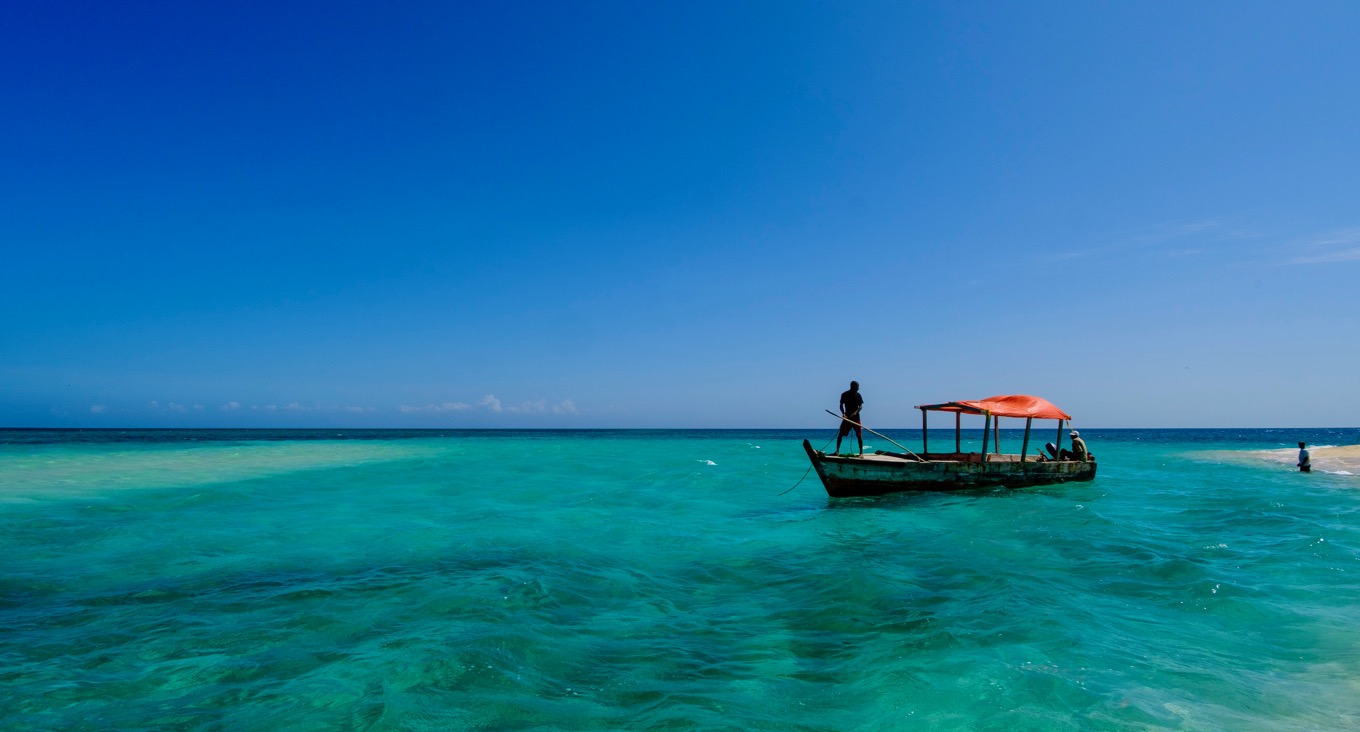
x: 1078, y: 452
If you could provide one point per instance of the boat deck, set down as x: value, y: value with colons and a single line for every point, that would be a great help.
x: 934, y: 457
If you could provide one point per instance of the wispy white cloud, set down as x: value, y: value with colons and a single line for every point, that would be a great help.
x: 298, y: 408
x: 1329, y: 248
x: 98, y: 408
x: 433, y: 408
x: 490, y: 402
x: 176, y: 407
x: 1154, y: 240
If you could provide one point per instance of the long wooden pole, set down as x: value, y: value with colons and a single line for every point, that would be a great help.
x: 880, y: 434
x: 958, y: 433
x: 1059, y: 448
x: 986, y: 430
x: 1024, y: 448
x: 996, y: 435
x: 925, y: 448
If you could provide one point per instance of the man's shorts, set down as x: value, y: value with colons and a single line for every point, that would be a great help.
x: 846, y: 426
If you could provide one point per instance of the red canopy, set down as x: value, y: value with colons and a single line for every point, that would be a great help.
x: 1010, y: 405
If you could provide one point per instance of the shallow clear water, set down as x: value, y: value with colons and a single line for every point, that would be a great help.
x: 665, y: 579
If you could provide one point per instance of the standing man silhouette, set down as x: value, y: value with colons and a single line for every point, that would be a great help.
x: 851, y: 404
x: 1305, y: 460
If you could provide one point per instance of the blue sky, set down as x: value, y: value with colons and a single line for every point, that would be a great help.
x: 684, y: 215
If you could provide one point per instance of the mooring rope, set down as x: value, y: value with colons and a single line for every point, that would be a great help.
x: 809, y: 470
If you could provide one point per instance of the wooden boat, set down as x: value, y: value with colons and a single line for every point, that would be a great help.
x: 891, y: 472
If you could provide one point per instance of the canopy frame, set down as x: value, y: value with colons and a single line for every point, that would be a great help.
x: 992, y: 409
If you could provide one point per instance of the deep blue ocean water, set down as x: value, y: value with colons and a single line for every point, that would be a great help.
x: 501, y: 580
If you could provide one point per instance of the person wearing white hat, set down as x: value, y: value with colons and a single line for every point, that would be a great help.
x: 1079, y: 447
x: 1078, y: 451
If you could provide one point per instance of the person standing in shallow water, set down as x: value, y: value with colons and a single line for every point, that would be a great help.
x: 1305, y: 460
x: 851, y: 404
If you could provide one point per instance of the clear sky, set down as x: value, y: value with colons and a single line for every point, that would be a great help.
x: 690, y: 214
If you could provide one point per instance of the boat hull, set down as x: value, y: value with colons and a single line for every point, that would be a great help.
x: 880, y: 474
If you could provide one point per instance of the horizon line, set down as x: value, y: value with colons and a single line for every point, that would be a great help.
x: 639, y: 429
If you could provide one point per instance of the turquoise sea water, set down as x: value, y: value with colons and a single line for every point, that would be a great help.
x: 328, y: 580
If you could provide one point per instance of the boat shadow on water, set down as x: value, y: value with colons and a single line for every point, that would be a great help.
x: 935, y: 499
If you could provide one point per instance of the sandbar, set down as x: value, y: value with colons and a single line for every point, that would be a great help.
x: 1340, y: 459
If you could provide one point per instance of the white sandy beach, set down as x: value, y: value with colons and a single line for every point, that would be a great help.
x: 1339, y: 459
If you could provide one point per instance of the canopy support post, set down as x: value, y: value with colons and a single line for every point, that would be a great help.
x: 1060, y: 424
x: 986, y: 430
x: 924, y: 448
x: 1024, y: 448
x: 996, y: 435
x: 958, y: 433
